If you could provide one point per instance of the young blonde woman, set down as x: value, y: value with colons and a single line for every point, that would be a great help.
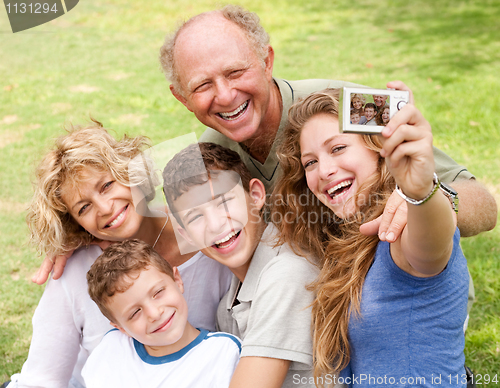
x: 385, y: 313
x: 83, y: 195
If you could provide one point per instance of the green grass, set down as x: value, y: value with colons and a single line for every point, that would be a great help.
x: 101, y: 59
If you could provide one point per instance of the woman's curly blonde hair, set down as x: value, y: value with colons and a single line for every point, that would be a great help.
x: 53, y: 229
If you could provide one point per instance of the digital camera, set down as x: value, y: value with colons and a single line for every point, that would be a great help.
x: 367, y: 111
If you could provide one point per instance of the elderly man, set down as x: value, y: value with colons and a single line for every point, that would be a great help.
x: 220, y: 66
x: 379, y: 101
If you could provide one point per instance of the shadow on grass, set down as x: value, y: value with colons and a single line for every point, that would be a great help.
x: 455, y: 37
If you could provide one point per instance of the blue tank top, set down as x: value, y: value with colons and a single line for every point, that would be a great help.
x: 410, y: 332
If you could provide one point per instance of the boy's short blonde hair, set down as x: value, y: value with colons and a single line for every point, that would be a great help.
x: 53, y: 229
x: 117, y: 267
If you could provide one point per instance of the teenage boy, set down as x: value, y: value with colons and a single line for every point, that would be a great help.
x: 153, y: 344
x: 267, y: 305
x: 370, y: 111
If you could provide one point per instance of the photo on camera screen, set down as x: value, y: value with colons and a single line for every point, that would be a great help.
x: 367, y: 111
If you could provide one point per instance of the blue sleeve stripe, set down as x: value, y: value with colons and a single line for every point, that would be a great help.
x: 236, y: 340
x: 113, y: 329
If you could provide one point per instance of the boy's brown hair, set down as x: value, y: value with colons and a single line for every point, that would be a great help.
x: 371, y: 105
x: 117, y: 267
x: 186, y: 169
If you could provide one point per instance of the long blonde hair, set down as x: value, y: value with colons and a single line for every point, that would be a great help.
x: 53, y: 229
x: 344, y: 254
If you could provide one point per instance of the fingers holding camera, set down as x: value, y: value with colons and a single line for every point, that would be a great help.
x: 407, y: 147
x: 408, y: 115
x: 400, y: 85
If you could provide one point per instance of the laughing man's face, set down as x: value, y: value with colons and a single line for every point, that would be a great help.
x: 223, y: 82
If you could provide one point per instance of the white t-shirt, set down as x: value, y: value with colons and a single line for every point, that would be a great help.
x: 67, y: 324
x: 120, y: 361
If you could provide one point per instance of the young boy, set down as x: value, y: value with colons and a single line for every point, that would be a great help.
x: 153, y: 344
x: 267, y: 305
x: 370, y: 111
x: 355, y: 117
